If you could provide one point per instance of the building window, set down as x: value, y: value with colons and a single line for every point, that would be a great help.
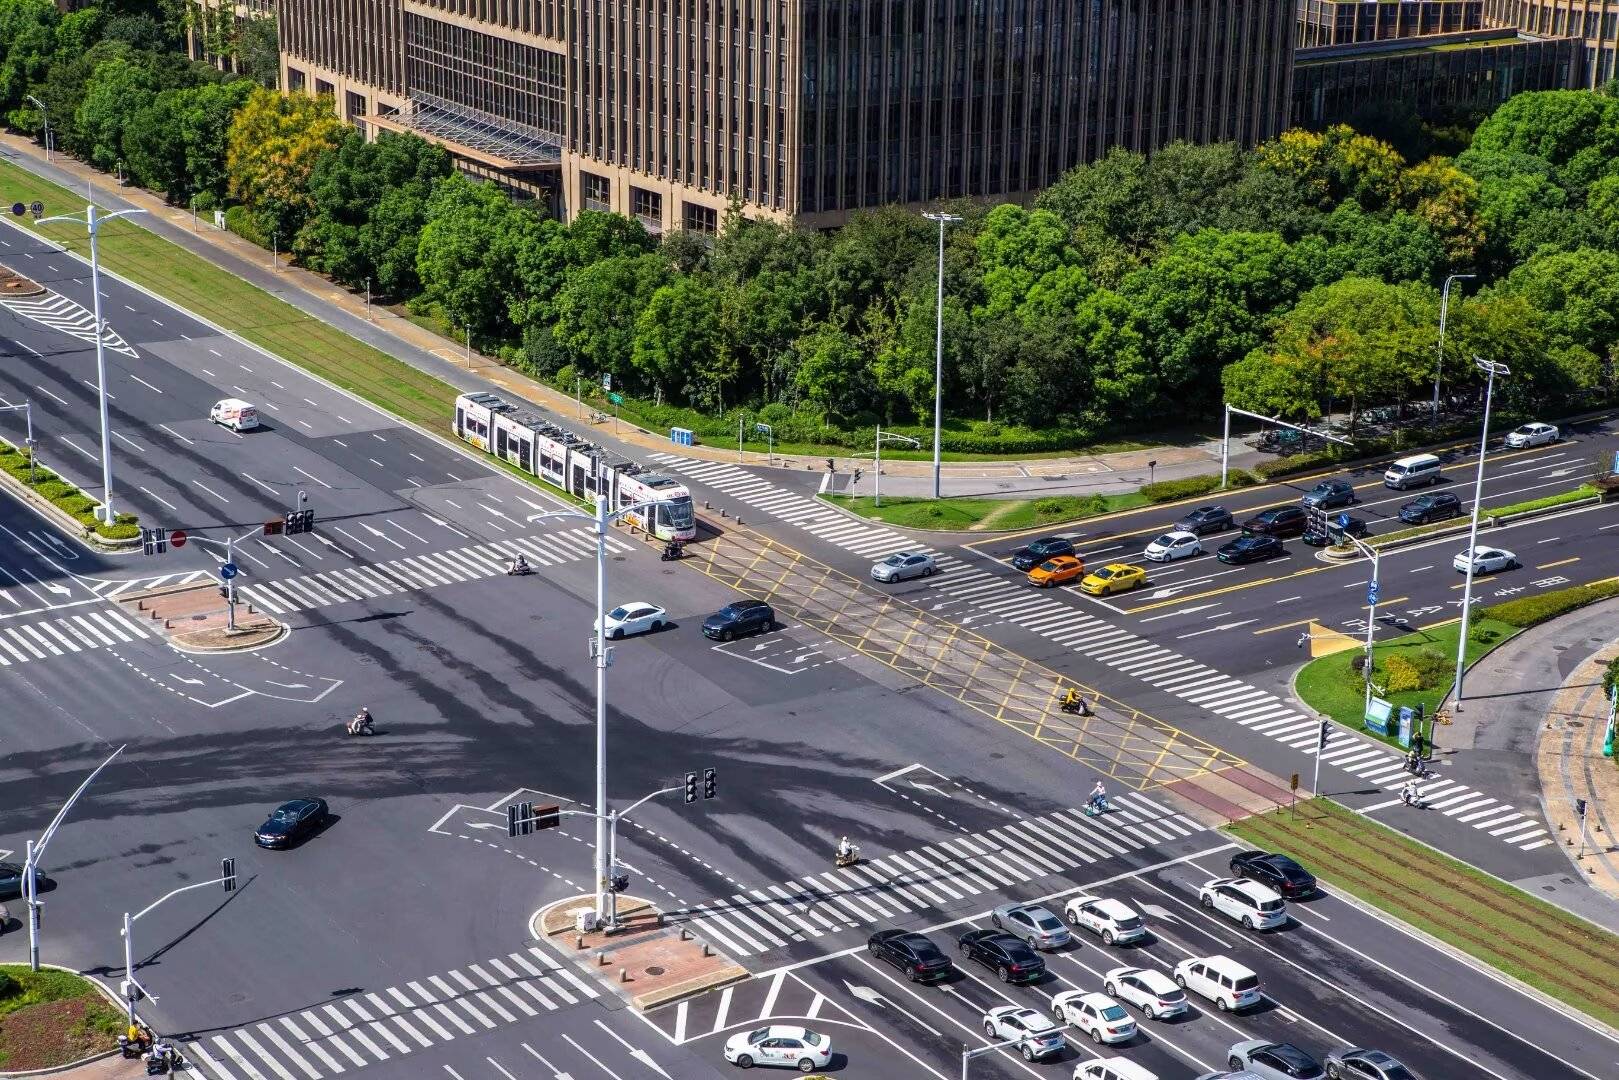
x: 295, y: 81
x: 354, y: 109
x: 324, y: 87
x: 647, y: 207
x: 701, y: 219
x: 598, y: 191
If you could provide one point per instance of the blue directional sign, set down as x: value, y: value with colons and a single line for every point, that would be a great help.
x: 1371, y: 593
x: 1343, y: 521
x: 228, y: 571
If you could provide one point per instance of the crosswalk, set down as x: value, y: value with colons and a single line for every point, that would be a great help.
x: 974, y: 592
x: 59, y: 313
x: 368, y: 581
x: 362, y: 1029
x: 779, y: 996
x: 109, y: 588
x: 933, y: 877
x: 68, y: 634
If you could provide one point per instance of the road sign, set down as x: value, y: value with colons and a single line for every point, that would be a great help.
x: 177, y: 538
x: 1293, y: 782
x: 607, y: 380
x: 765, y: 429
x: 1579, y: 807
x: 616, y: 399
x: 228, y: 570
x: 19, y: 209
x: 1343, y: 521
x: 1371, y: 593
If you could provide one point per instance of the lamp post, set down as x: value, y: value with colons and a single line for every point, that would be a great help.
x: 1373, y: 588
x: 92, y: 221
x: 36, y: 851
x: 967, y: 1054
x: 1439, y: 368
x: 46, y: 118
x: 938, y: 346
x: 877, y: 469
x: 1491, y: 370
x: 132, y: 989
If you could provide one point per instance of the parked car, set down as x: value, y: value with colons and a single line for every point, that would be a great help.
x: 1244, y: 900
x: 1114, y: 921
x: 1206, y: 519
x: 1274, y: 1061
x: 1113, y: 578
x: 739, y: 617
x: 904, y: 565
x: 1038, y: 1035
x: 794, y: 1047
x: 1148, y: 989
x: 1097, y: 1015
x: 636, y: 618
x: 1033, y: 923
x: 1353, y: 1063
x: 913, y: 954
x: 1434, y: 506
x: 292, y: 821
x: 1038, y: 552
x: 1008, y: 957
x: 1328, y: 494
x: 1062, y: 570
x: 1275, y: 870
x: 1319, y: 533
x: 1246, y: 549
x: 1281, y: 521
x: 1534, y: 434
x: 1179, y: 544
x: 1486, y: 560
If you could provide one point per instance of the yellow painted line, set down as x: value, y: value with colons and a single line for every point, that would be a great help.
x: 1284, y: 626
x: 1396, y: 600
x: 1324, y: 641
x: 1559, y: 562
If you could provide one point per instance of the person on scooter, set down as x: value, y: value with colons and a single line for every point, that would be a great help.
x: 1098, y: 799
x: 518, y: 565
x: 674, y: 549
x: 1411, y: 794
x: 361, y: 722
x: 846, y: 851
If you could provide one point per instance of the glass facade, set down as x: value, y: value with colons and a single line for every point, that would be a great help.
x: 1594, y: 21
x: 518, y: 83
x: 1344, y: 22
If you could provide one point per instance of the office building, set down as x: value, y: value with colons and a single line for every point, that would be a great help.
x: 1346, y: 22
x: 1594, y: 22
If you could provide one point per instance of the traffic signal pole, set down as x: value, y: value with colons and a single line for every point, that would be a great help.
x: 132, y: 989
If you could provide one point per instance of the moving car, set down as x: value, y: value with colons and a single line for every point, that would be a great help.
x: 1534, y: 434
x: 1243, y: 900
x: 1114, y: 921
x: 1046, y: 547
x: 235, y: 414
x: 795, y: 1047
x: 1010, y: 959
x: 1353, y: 1063
x: 1033, y: 923
x: 635, y: 618
x: 1317, y: 534
x: 1434, y: 506
x: 1178, y: 544
x: 1275, y: 870
x: 1206, y: 519
x: 904, y: 565
x: 1220, y: 979
x: 1246, y: 549
x: 1283, y: 521
x: 1486, y: 560
x: 739, y: 617
x: 1148, y: 989
x: 1097, y: 1015
x: 1059, y: 571
x: 11, y: 877
x: 1274, y: 1061
x: 1038, y: 1035
x: 291, y: 822
x: 1328, y: 494
x: 1113, y: 578
x: 914, y: 954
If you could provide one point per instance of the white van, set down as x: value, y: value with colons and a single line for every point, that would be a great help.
x: 1412, y: 471
x: 1112, y: 1069
x: 235, y: 414
x: 1220, y: 979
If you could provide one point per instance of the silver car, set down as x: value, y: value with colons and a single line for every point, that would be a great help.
x: 904, y: 565
x: 1353, y: 1063
x: 1033, y: 923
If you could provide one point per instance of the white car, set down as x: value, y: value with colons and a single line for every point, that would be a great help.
x: 794, y: 1047
x: 904, y: 565
x: 636, y: 618
x: 1174, y: 545
x: 1097, y: 1015
x: 1486, y: 560
x: 1114, y: 921
x: 1244, y: 900
x: 1148, y: 989
x: 1535, y: 434
x: 1037, y: 1035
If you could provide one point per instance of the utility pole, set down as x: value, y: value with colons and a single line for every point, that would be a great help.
x: 46, y: 118
x: 36, y: 852
x: 938, y: 347
x: 877, y: 473
x: 1491, y: 370
x: 1439, y: 368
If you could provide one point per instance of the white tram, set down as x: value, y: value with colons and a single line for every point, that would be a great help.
x: 564, y: 460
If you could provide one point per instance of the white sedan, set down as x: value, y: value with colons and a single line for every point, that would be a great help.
x: 904, y: 565
x: 1114, y: 921
x: 1535, y: 434
x: 795, y: 1047
x: 1097, y: 1015
x: 1486, y: 560
x: 1174, y: 545
x: 1148, y: 989
x: 637, y: 618
x: 1038, y: 1035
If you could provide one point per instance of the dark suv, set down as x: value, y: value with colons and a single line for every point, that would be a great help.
x: 1047, y: 547
x: 1206, y: 519
x: 1281, y: 521
x: 1435, y: 506
x: 1328, y: 494
x: 737, y: 618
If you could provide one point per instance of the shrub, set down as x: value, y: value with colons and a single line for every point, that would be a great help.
x: 9, y: 987
x: 1400, y: 675
x: 1050, y: 506
x: 240, y: 222
x: 1533, y: 610
x: 1296, y: 463
x: 1610, y: 677
x: 1184, y: 488
x: 1430, y: 665
x: 1483, y: 635
x: 55, y: 489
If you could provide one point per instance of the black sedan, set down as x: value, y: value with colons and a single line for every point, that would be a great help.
x: 1277, y: 521
x: 11, y: 881
x: 737, y: 618
x: 915, y: 955
x: 1317, y: 535
x: 291, y: 822
x: 1434, y: 506
x: 1010, y: 959
x: 1206, y: 519
x: 1278, y: 871
x: 1047, y: 547
x: 1246, y: 549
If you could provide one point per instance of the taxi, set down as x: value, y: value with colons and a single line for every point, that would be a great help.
x: 1058, y: 571
x: 1113, y: 578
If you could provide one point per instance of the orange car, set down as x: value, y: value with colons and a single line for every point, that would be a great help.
x: 1058, y: 571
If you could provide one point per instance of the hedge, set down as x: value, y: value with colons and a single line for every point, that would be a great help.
x: 65, y: 497
x: 1184, y: 488
x: 1530, y: 611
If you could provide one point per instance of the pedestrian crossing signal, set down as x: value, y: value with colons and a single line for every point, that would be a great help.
x: 154, y: 541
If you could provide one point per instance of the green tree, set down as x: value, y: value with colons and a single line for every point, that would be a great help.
x: 1016, y: 248
x: 596, y: 235
x: 27, y: 42
x: 205, y: 119
x: 258, y: 52
x: 1576, y: 132
x: 1576, y: 293
x: 116, y: 89
x: 1284, y: 386
x: 467, y: 254
x: 832, y: 373
x: 680, y: 341
x: 599, y: 309
x: 275, y: 140
x: 1336, y: 164
x: 154, y: 145
x: 1108, y: 201
x: 767, y: 313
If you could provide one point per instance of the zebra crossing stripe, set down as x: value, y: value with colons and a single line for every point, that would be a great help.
x: 309, y: 1044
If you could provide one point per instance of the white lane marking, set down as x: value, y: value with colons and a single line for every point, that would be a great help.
x: 146, y: 384
x: 210, y: 491
x: 160, y: 499
x: 313, y: 477
x: 176, y: 434
x: 47, y: 393
x: 131, y: 442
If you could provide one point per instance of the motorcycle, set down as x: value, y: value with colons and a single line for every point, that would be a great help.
x: 846, y: 858
x: 673, y: 551
x: 519, y: 570
x: 1076, y: 706
x: 163, y: 1059
x: 1097, y: 807
x: 361, y: 725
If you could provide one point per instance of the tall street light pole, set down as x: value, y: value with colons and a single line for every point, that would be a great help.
x: 93, y: 221
x: 36, y: 852
x: 877, y: 471
x: 1439, y: 368
x: 1491, y: 370
x: 46, y: 118
x: 938, y: 346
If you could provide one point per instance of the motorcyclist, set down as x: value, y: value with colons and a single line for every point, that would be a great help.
x: 674, y: 549
x: 518, y: 565
x: 361, y: 721
x: 1071, y: 698
x: 1098, y: 799
x: 1410, y: 794
x: 846, y: 850
x: 1413, y: 762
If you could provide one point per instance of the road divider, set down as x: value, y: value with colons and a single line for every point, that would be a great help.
x: 63, y: 504
x: 1511, y: 514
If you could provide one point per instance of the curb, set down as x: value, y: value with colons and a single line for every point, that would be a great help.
x: 70, y: 525
x: 280, y: 633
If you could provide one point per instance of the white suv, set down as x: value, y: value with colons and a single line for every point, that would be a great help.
x: 1114, y: 921
x: 1037, y: 1035
x: 1243, y: 900
x: 1220, y: 979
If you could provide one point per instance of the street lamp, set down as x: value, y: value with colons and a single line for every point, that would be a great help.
x: 967, y: 1054
x: 1439, y: 369
x: 938, y: 346
x: 45, y: 117
x: 877, y: 469
x: 36, y: 851
x: 92, y: 222
x: 133, y: 989
x: 1491, y: 370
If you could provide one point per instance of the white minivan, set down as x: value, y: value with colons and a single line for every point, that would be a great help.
x: 1220, y: 979
x: 235, y: 414
x: 1413, y: 471
x: 1112, y: 1069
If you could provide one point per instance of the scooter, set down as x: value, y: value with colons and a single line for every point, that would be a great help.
x: 1096, y: 808
x: 361, y: 725
x: 842, y: 860
x: 1412, y: 796
x: 519, y: 570
x: 162, y: 1059
x: 1076, y: 707
x: 673, y: 551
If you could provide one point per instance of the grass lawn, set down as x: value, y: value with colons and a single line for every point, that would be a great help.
x: 976, y: 515
x: 1329, y: 685
x: 51, y: 1017
x: 1505, y: 927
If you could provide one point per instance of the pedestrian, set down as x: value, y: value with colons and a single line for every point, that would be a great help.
x: 1419, y: 745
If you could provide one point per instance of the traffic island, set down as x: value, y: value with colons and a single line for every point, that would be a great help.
x: 13, y: 284
x: 53, y: 1018
x: 646, y: 961
x: 195, y: 618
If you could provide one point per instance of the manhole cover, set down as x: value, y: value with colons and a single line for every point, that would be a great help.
x: 199, y: 618
x: 654, y: 970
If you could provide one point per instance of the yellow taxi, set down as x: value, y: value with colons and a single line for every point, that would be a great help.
x: 1058, y: 571
x: 1112, y: 578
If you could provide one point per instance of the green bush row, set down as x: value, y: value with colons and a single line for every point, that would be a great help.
x: 64, y: 496
x: 1584, y: 491
x: 1527, y: 611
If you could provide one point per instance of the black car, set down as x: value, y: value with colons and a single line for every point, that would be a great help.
x: 1010, y: 959
x: 1328, y: 494
x: 1434, y: 506
x: 1281, y: 521
x: 1250, y: 549
x: 1276, y: 870
x: 912, y: 953
x: 1206, y: 519
x: 1047, y: 547
x: 11, y: 880
x: 737, y: 618
x: 291, y: 822
x: 1317, y: 536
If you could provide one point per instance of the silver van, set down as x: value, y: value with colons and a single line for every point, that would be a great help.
x: 1413, y: 471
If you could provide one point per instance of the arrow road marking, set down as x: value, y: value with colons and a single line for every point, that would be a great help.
x: 1213, y: 629
x: 183, y: 679
x: 1178, y: 611
x: 870, y: 996
x: 636, y: 1052
x: 483, y: 825
x: 593, y: 1058
x: 556, y: 1072
x: 1159, y: 594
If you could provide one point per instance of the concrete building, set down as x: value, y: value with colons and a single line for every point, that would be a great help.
x: 1347, y: 22
x: 1594, y: 22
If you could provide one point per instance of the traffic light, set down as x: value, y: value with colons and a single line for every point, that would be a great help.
x: 300, y: 521
x: 1326, y: 733
x: 618, y: 883
x: 856, y: 478
x: 691, y: 787
x: 525, y: 818
x: 546, y: 817
x: 512, y: 810
x: 275, y: 527
x: 154, y: 541
x: 831, y: 466
x: 227, y: 870
x: 708, y: 783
